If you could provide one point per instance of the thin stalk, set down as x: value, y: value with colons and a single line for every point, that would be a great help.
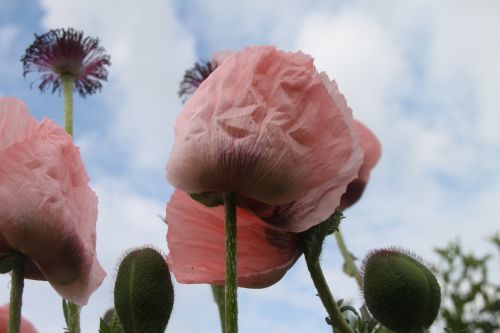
x: 231, y: 288
x: 16, y: 294
x: 67, y: 87
x: 218, y: 293
x: 348, y: 259
x: 337, y: 320
x: 73, y: 318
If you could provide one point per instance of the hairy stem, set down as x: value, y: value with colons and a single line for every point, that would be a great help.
x: 73, y: 317
x: 337, y: 320
x: 67, y: 87
x: 16, y: 293
x: 231, y: 288
x: 349, y: 263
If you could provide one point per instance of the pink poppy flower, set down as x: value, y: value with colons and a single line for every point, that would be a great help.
x: 47, y: 210
x: 26, y: 326
x: 270, y: 128
x: 373, y: 150
x: 195, y: 239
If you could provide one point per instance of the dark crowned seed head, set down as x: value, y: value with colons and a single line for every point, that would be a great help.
x: 66, y: 52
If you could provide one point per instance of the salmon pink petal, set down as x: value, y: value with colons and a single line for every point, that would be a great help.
x: 262, y: 126
x: 47, y: 210
x: 303, y: 213
x: 373, y: 150
x: 196, y: 241
x: 15, y: 122
x: 26, y: 326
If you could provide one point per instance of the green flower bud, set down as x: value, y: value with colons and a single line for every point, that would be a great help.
x: 400, y: 291
x: 144, y: 295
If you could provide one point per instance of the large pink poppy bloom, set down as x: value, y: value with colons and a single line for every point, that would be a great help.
x: 47, y: 210
x: 26, y: 326
x: 196, y: 236
x: 268, y: 127
x: 373, y: 150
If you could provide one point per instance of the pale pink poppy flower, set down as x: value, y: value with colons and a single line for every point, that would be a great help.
x: 196, y: 236
x: 373, y: 150
x: 26, y: 326
x: 47, y: 210
x: 267, y: 126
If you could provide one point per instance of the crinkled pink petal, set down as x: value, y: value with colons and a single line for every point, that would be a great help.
x: 373, y: 150
x: 26, y: 326
x: 47, y: 210
x: 16, y: 124
x: 267, y: 126
x: 318, y: 204
x: 196, y: 242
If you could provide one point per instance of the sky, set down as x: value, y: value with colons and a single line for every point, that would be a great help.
x: 423, y: 75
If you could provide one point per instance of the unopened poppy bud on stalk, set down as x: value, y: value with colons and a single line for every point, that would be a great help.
x: 400, y: 291
x: 144, y: 295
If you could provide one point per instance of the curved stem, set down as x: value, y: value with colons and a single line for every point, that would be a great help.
x: 349, y: 263
x: 218, y: 293
x: 338, y: 321
x: 231, y: 289
x: 16, y: 294
x: 67, y: 87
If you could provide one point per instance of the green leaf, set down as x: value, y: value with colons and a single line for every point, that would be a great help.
x: 65, y: 311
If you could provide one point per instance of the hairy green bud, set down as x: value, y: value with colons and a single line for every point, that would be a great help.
x: 144, y: 295
x: 400, y: 291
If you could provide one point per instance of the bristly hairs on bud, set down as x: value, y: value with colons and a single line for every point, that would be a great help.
x: 143, y: 294
x: 400, y: 290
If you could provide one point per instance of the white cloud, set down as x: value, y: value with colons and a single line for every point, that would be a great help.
x: 234, y: 24
x: 423, y: 75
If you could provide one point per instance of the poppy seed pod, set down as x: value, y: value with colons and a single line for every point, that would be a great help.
x: 66, y: 52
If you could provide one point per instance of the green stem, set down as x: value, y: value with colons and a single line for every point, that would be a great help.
x: 338, y: 321
x: 349, y: 263
x: 16, y: 293
x: 218, y: 292
x: 67, y: 87
x: 231, y: 289
x: 73, y: 318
